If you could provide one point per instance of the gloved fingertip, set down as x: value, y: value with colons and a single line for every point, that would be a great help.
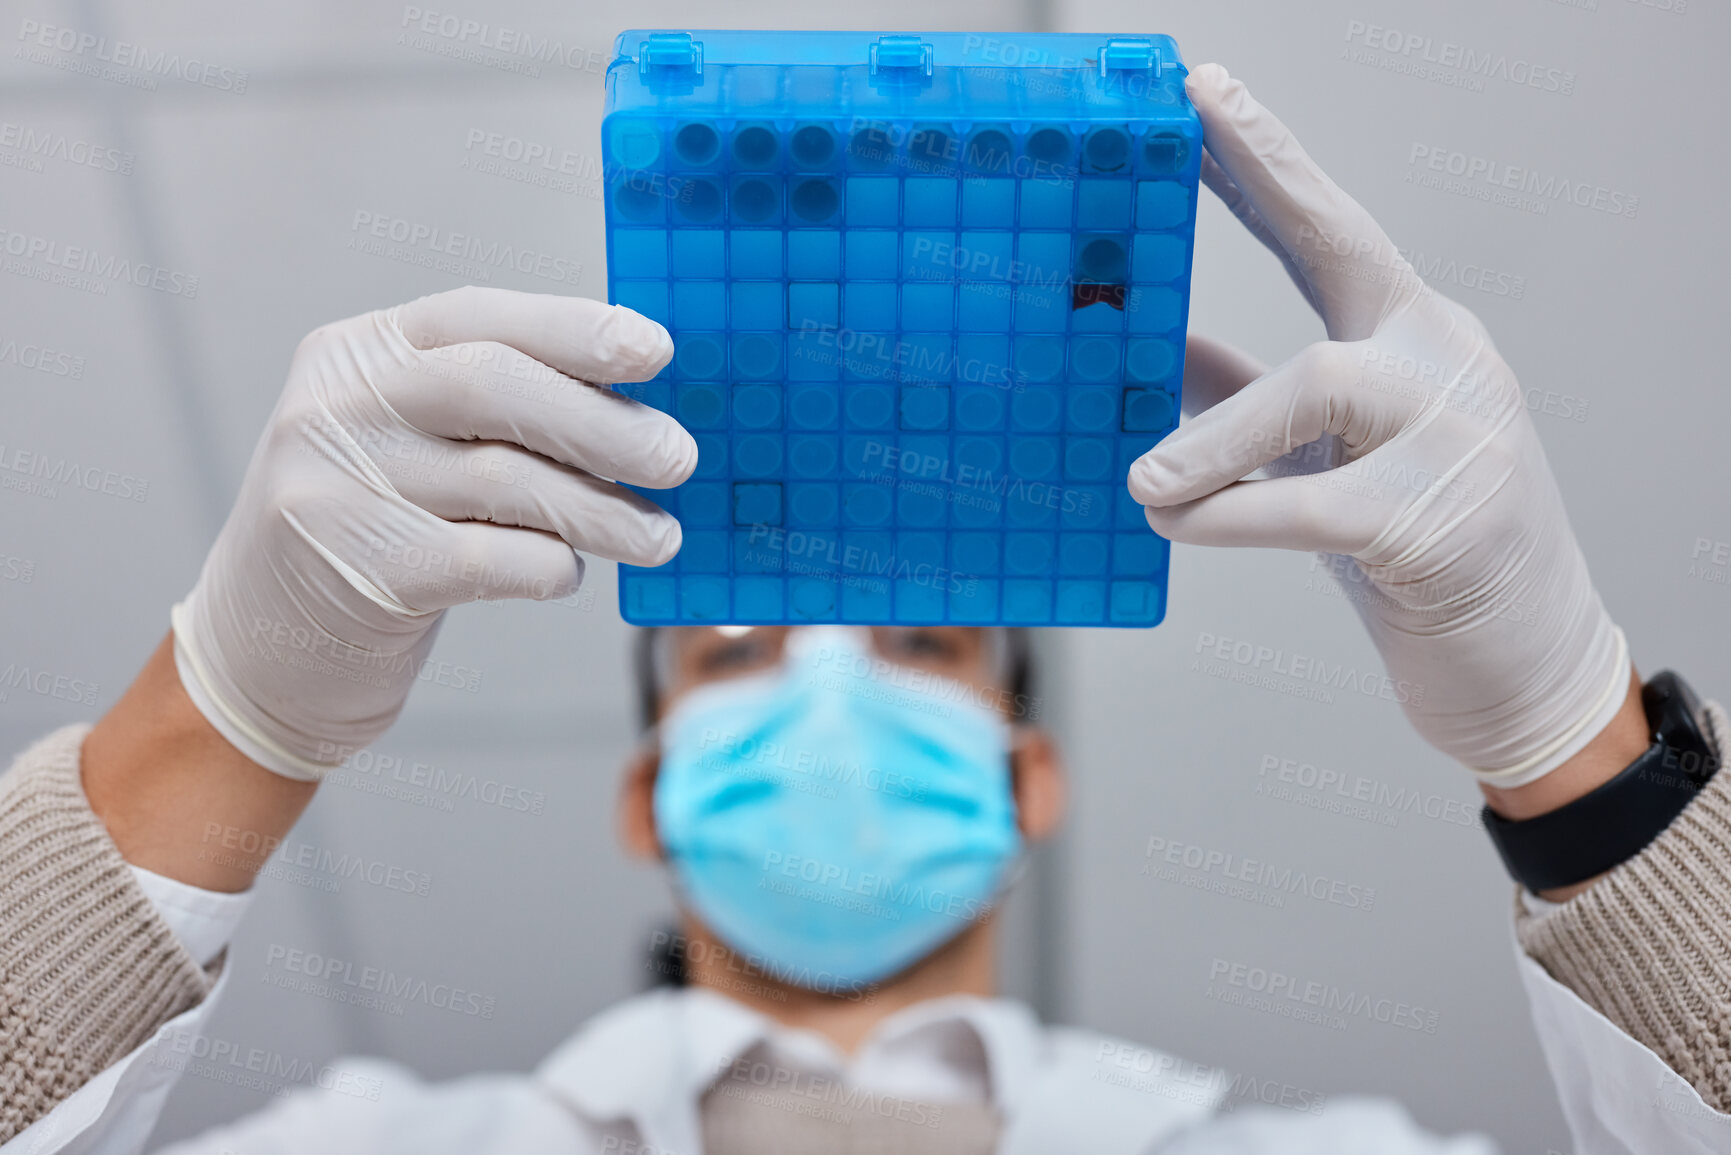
x: 662, y: 344
x: 646, y: 338
x: 1206, y: 78
x: 657, y: 342
x: 689, y: 468
x: 687, y: 464
x: 672, y: 536
x: 667, y: 456
x: 1222, y: 98
x: 1144, y: 482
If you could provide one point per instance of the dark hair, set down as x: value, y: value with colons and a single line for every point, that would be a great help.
x: 1018, y: 683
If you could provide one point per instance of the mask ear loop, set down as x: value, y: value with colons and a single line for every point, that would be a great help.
x: 1017, y: 868
x: 1014, y: 871
x: 998, y: 661
x: 660, y: 672
x: 1012, y: 877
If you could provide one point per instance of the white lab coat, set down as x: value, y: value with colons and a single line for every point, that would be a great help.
x: 628, y: 1083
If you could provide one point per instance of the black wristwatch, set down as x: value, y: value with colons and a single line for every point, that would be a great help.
x: 1616, y: 822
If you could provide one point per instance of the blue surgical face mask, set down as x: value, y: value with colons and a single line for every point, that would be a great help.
x: 830, y: 819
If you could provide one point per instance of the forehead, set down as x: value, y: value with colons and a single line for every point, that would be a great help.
x: 684, y: 657
x: 969, y: 638
x: 962, y: 645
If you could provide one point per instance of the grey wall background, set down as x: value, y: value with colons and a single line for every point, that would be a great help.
x: 345, y: 110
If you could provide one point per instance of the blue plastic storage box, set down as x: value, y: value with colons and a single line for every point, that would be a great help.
x: 928, y: 296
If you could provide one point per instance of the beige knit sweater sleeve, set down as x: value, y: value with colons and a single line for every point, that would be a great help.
x: 88, y: 968
x: 1649, y: 945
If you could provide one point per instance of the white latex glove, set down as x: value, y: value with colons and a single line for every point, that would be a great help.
x: 1407, y: 447
x: 443, y: 451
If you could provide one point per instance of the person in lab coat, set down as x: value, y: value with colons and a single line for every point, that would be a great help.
x: 841, y: 808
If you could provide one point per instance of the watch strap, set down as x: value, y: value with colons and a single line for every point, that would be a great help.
x: 1615, y: 822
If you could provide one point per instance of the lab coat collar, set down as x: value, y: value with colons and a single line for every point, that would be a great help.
x: 649, y: 1059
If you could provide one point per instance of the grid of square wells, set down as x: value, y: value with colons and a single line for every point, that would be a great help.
x: 918, y: 363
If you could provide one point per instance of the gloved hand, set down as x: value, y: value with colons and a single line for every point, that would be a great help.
x: 454, y: 448
x: 1404, y: 443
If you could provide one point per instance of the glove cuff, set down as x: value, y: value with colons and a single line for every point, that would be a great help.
x: 196, y: 676
x: 1575, y: 739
